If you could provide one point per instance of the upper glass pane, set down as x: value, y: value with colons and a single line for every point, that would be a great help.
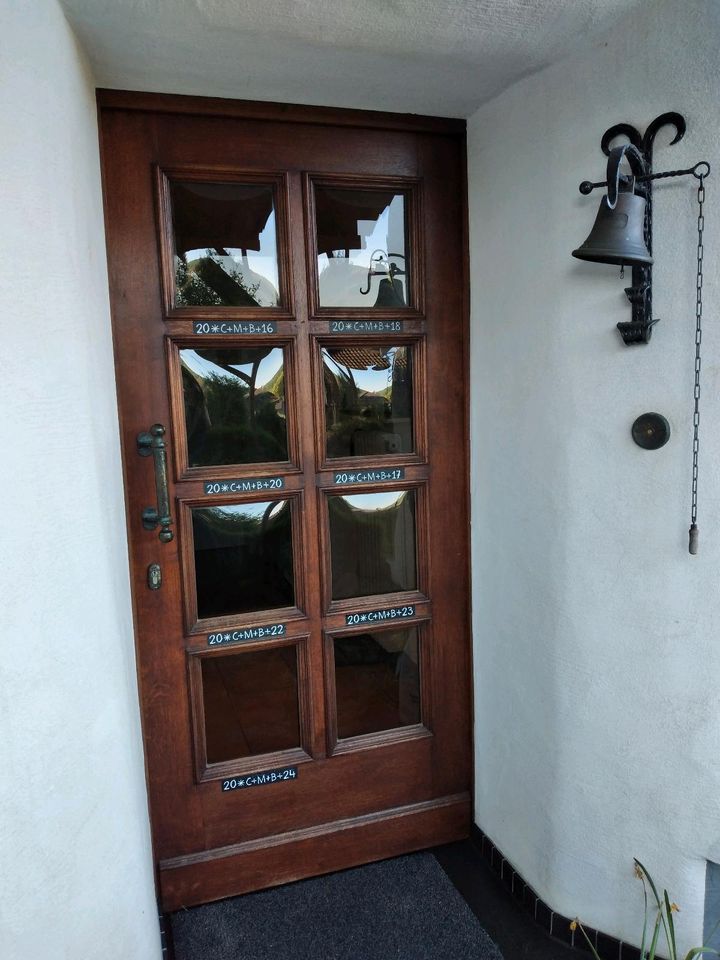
x: 361, y: 245
x: 243, y: 558
x: 372, y: 543
x: 368, y: 400
x: 234, y: 402
x: 225, y: 245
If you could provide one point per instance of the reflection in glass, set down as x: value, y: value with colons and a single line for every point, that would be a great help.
x: 361, y: 247
x: 224, y: 244
x: 372, y: 543
x: 251, y: 703
x: 377, y: 681
x: 234, y: 405
x: 368, y: 400
x: 243, y: 558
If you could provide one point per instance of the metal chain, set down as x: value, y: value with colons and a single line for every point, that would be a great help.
x: 693, y: 546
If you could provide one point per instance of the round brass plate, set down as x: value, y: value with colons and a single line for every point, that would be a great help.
x: 651, y: 431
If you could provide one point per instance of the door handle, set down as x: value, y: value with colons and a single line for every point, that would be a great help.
x: 153, y: 443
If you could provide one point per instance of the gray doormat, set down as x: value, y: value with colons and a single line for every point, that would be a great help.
x: 401, y: 909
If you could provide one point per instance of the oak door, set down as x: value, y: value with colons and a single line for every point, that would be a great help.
x: 288, y: 299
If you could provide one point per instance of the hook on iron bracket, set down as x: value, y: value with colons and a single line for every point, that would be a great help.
x: 386, y: 268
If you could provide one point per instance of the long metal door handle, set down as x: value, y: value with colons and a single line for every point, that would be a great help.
x: 153, y: 442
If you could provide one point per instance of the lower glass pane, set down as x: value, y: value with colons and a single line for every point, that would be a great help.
x: 251, y: 703
x: 243, y: 558
x: 377, y: 681
x: 372, y: 543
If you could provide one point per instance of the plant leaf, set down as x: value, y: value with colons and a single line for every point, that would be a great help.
x: 652, y: 884
x: 594, y: 952
x: 656, y: 934
x: 645, y: 919
x: 661, y: 912
x: 671, y: 927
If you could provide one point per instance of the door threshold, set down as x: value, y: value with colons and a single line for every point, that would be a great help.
x: 269, y: 861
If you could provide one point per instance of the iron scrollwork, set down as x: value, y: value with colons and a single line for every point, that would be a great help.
x: 639, y: 328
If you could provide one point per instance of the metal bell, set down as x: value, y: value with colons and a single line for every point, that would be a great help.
x: 617, y: 235
x: 390, y: 293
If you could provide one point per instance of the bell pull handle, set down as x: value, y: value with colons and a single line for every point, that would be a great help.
x: 153, y: 443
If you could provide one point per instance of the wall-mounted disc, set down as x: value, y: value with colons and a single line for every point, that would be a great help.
x: 651, y: 431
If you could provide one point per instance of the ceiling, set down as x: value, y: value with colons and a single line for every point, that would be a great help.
x: 441, y: 57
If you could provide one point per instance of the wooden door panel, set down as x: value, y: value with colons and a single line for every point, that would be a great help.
x: 402, y: 781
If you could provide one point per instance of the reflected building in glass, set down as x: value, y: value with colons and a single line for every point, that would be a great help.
x: 361, y: 246
x: 368, y: 400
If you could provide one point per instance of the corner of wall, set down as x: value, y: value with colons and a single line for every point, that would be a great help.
x: 73, y: 793
x: 596, y: 736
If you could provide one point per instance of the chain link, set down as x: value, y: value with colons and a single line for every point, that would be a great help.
x: 698, y: 359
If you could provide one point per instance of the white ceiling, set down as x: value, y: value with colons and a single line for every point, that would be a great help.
x: 441, y: 57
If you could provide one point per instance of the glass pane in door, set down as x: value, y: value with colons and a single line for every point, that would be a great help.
x: 225, y: 246
x: 368, y: 400
x: 251, y: 703
x: 372, y: 543
x: 234, y: 402
x: 243, y: 558
x: 377, y: 681
x: 361, y: 247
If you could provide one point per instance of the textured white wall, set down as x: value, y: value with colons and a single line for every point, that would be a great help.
x: 597, y: 635
x: 76, y: 880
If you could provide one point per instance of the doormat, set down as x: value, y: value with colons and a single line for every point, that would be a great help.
x: 400, y: 909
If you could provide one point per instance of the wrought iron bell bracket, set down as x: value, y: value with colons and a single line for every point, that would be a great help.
x: 639, y: 328
x: 382, y: 266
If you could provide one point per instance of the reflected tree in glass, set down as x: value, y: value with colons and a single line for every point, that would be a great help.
x: 368, y: 400
x: 234, y: 403
x: 243, y: 558
x: 224, y: 244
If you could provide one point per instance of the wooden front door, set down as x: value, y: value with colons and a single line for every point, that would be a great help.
x: 289, y: 310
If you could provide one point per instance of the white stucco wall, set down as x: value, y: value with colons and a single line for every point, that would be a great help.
x: 597, y: 636
x: 76, y: 878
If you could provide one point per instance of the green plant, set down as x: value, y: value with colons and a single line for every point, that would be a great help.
x: 663, y: 921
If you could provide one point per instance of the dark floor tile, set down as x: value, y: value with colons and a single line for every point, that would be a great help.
x: 629, y: 952
x: 608, y: 948
x: 581, y: 943
x: 504, y: 917
x: 543, y: 915
x: 529, y: 898
x: 561, y: 929
x: 506, y: 875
